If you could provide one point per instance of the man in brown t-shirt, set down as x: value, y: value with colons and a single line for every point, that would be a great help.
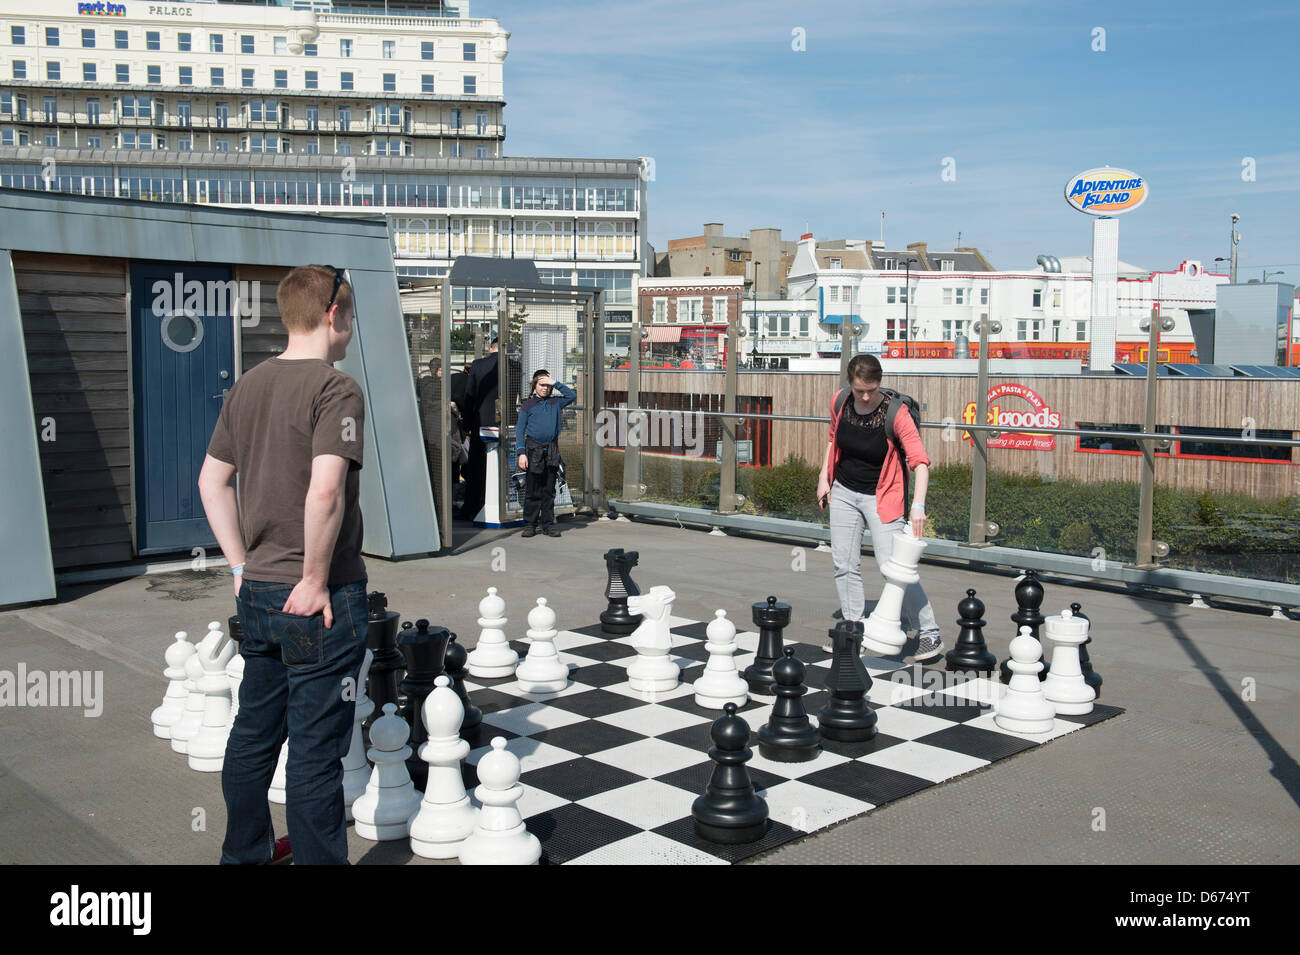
x: 292, y: 430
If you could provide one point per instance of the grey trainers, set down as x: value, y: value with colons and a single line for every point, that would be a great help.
x: 928, y: 649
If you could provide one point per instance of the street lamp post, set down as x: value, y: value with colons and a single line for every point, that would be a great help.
x: 1268, y: 273
x: 754, y: 301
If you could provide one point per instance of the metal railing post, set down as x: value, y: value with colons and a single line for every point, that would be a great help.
x: 596, y: 399
x: 846, y: 349
x: 632, y: 436
x: 978, y: 531
x: 727, y: 483
x: 587, y: 317
x: 1146, y: 492
x: 444, y: 345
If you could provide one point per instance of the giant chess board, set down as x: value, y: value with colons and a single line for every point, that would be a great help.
x: 609, y: 772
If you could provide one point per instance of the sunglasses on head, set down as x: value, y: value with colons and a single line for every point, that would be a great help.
x: 334, y: 292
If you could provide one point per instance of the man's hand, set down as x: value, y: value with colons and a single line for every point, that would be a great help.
x: 523, y: 462
x: 239, y: 582
x: 308, y: 599
x: 546, y: 380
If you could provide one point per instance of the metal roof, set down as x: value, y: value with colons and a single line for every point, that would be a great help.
x: 484, y: 272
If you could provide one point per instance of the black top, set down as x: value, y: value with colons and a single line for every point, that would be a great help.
x: 863, y: 445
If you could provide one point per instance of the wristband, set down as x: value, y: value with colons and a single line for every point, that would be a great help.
x: 919, y: 507
x: 237, y: 569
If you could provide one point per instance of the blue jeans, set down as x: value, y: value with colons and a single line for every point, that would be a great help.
x: 294, y: 673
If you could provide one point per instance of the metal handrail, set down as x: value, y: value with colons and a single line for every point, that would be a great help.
x: 941, y: 425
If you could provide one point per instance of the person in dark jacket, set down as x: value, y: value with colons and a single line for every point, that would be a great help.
x: 537, y: 437
x: 479, y: 410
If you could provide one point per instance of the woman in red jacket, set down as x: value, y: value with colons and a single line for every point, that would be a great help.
x: 862, y: 479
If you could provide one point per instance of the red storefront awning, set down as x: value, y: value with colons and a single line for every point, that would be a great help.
x: 665, y: 334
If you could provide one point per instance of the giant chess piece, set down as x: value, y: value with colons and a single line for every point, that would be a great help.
x: 971, y: 654
x: 277, y: 793
x: 445, y: 817
x: 1023, y: 708
x: 356, y: 770
x: 164, y: 717
x: 499, y: 836
x: 388, y: 664
x: 730, y: 811
x: 1090, y: 676
x: 1065, y: 687
x: 492, y: 658
x: 789, y: 736
x: 207, y: 750
x: 187, y: 727
x: 1029, y: 597
x: 454, y: 666
x: 383, y: 812
x: 424, y: 648
x: 653, y: 669
x: 771, y: 617
x: 542, y: 671
x: 616, y: 620
x: 235, y: 668
x: 720, y: 683
x: 846, y: 717
x: 884, y: 628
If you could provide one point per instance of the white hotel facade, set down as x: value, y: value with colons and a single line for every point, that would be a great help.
x: 329, y: 108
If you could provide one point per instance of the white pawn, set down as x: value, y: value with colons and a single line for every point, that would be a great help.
x: 492, y: 657
x: 499, y: 837
x: 542, y: 671
x: 356, y: 771
x: 235, y: 672
x: 187, y: 727
x: 383, y: 812
x: 173, y: 704
x: 653, y: 670
x: 720, y: 684
x: 279, y: 779
x: 1023, y: 708
x: 1065, y: 687
x: 884, y: 628
x: 445, y: 817
x: 207, y: 750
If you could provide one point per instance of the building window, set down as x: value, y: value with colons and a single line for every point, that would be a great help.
x: 52, y: 139
x: 51, y: 108
x: 183, y: 112
x: 659, y: 309
x: 456, y: 150
x: 426, y: 83
x: 456, y: 119
x: 184, y: 143
x: 51, y: 36
x: 247, y: 43
x: 312, y: 147
x: 121, y: 40
x: 720, y: 310
x: 153, y: 74
x: 947, y: 296
x: 185, y: 75
x: 280, y: 46
x: 1056, y: 298
x: 282, y: 79
x: 733, y: 255
x: 984, y: 296
x: 471, y: 84
x: 833, y: 293
x: 390, y: 49
x: 1080, y: 331
x: 20, y: 69
x: 946, y: 265
x: 470, y: 51
x: 222, y: 113
x: 345, y: 149
x: 184, y: 42
x: 960, y: 296
x: 309, y: 49
x: 480, y: 152
x: 313, y: 117
x: 891, y: 294
x: 18, y: 36
x: 890, y: 263
x: 426, y: 51
x: 390, y: 82
x: 263, y: 111
x: 52, y: 70
x: 690, y: 310
x: 1037, y: 330
x: 94, y: 142
x: 88, y: 39
x: 218, y: 77
x: 216, y: 43
x: 480, y: 121
x: 345, y: 47
x: 222, y: 145
x: 345, y: 119
x: 123, y: 73
x: 345, y: 81
x: 1038, y: 298
x: 310, y: 80
x: 92, y: 111
x: 834, y: 263
x: 88, y: 72
x: 246, y: 78
x: 1022, y: 330
x: 152, y: 40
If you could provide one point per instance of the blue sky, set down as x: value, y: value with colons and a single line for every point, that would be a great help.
x: 748, y: 131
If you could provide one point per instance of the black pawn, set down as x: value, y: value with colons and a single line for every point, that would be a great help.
x: 771, y: 617
x: 1029, y: 597
x: 616, y: 620
x: 730, y: 811
x: 789, y: 736
x: 386, y: 667
x: 847, y: 718
x: 454, y: 661
x: 423, y: 649
x: 971, y: 654
x: 1090, y: 676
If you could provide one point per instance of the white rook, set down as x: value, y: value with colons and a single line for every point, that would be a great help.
x: 1065, y: 687
x: 884, y: 628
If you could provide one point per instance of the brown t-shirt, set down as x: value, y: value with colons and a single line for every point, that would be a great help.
x: 276, y: 418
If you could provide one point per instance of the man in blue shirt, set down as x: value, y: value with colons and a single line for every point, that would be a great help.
x: 537, y: 437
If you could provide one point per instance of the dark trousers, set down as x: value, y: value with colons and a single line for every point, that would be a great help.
x: 539, y: 495
x: 475, y: 477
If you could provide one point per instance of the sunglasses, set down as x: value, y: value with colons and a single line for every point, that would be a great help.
x: 334, y: 292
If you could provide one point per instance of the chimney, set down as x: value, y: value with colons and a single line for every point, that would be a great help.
x: 712, y: 230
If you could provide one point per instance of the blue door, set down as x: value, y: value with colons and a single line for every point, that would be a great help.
x: 183, y: 361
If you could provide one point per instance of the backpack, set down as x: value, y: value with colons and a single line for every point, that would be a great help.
x: 896, y: 399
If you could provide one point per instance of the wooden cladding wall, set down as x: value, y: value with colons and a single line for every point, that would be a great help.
x: 1187, y: 404
x: 75, y: 326
x: 267, y: 338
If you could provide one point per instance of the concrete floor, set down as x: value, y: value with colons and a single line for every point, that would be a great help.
x: 1199, y: 770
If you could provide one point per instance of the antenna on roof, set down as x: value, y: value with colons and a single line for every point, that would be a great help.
x: 958, y: 245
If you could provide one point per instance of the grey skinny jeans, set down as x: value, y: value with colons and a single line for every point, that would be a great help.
x: 850, y: 512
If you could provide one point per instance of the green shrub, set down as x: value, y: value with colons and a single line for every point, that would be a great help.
x: 789, y: 488
x: 1076, y: 538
